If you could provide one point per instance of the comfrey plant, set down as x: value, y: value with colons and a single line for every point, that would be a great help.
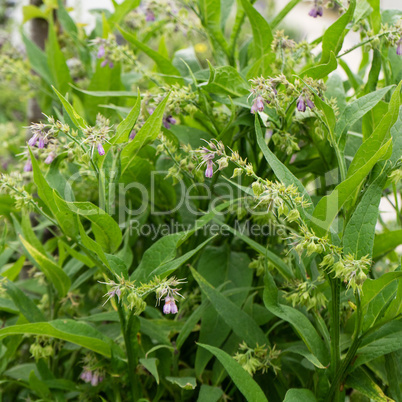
x: 263, y: 169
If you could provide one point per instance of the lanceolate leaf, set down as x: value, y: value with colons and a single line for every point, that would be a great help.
x: 67, y: 330
x: 359, y: 234
x: 240, y: 322
x: 329, y: 206
x: 262, y: 33
x: 333, y: 37
x: 51, y: 270
x: 386, y: 242
x: 243, y: 381
x: 148, y: 133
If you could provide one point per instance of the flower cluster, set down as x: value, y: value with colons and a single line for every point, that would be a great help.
x: 12, y: 184
x: 306, y: 294
x: 110, y: 52
x: 92, y: 372
x: 351, y: 271
x: 133, y: 296
x: 41, y: 348
x: 258, y: 358
x: 208, y: 155
x: 97, y: 135
x: 317, y: 10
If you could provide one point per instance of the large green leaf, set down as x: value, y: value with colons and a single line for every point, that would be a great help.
x: 262, y: 33
x: 358, y: 238
x: 148, y: 133
x: 122, y: 9
x: 322, y: 70
x: 104, y: 227
x: 381, y: 134
x: 24, y: 304
x: 67, y: 330
x: 243, y: 381
x: 297, y: 319
x: 362, y: 382
x: 51, y: 270
x: 240, y: 322
x: 355, y: 110
x: 226, y: 80
x: 37, y: 59
x: 386, y: 242
x: 333, y: 37
x: 298, y: 395
x: 329, y: 206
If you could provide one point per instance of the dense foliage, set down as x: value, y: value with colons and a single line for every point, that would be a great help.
x: 196, y: 216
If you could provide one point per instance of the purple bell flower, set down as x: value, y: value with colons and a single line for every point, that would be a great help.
x: 301, y: 104
x: 399, y: 47
x: 33, y: 140
x: 310, y: 104
x: 104, y: 63
x: 101, y: 52
x: 28, y: 166
x: 101, y: 150
x: 50, y: 158
x: 210, y: 169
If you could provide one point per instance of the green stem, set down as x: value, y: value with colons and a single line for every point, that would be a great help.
x: 132, y: 364
x: 341, y: 371
x: 335, y: 323
x: 283, y: 13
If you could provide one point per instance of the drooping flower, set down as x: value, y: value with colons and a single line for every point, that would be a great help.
x: 149, y: 15
x: 301, y: 104
x: 101, y: 150
x: 104, y: 63
x: 310, y: 103
x: 399, y: 47
x: 316, y: 11
x: 50, y: 158
x: 133, y: 134
x: 101, y: 52
x: 170, y: 306
x: 90, y: 376
x: 258, y: 105
x: 168, y: 121
x: 28, y: 166
x: 209, y: 171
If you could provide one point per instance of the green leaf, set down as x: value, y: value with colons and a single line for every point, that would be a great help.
x: 12, y: 271
x: 243, y: 380
x: 151, y: 365
x: 262, y: 33
x: 355, y: 110
x: 240, y: 322
x: 303, y: 351
x: 333, y: 37
x: 362, y: 382
x: 37, y: 59
x: 52, y: 271
x: 384, y: 340
x: 358, y: 238
x: 210, y: 13
x: 161, y: 252
x: 107, y: 232
x: 74, y: 116
x: 24, y: 304
x: 66, y: 21
x: 168, y: 268
x: 67, y: 330
x: 282, y: 268
x: 386, y: 242
x: 393, y: 367
x: 322, y: 70
x: 281, y: 171
x: 372, y: 287
x: 169, y: 72
x: 226, y: 81
x: 380, y: 135
x: 57, y: 62
x: 105, y: 94
x: 122, y: 9
x: 124, y: 128
x: 297, y: 319
x: 148, y: 133
x: 183, y: 382
x: 30, y: 12
x: 209, y: 394
x: 329, y: 206
x: 298, y: 395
